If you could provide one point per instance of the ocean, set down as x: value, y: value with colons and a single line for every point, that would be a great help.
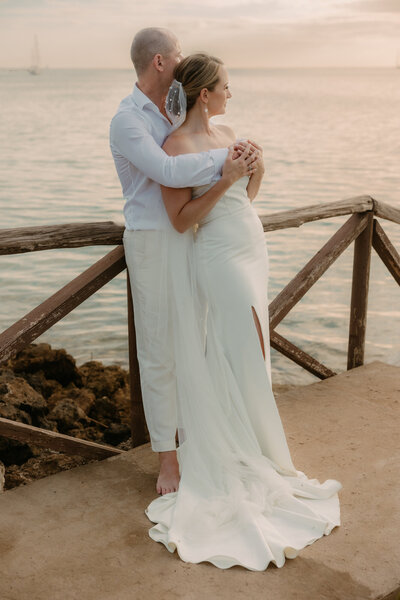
x: 327, y: 135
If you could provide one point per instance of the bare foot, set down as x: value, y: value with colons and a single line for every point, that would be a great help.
x: 168, y: 479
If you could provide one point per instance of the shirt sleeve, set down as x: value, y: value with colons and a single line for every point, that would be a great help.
x: 130, y: 138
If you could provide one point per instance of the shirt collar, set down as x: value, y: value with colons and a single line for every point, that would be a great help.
x: 140, y: 98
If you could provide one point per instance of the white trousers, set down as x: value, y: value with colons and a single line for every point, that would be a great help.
x: 155, y: 353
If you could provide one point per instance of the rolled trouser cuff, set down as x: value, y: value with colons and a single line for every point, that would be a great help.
x: 163, y: 446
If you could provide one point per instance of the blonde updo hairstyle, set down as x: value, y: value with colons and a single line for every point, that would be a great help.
x: 196, y: 72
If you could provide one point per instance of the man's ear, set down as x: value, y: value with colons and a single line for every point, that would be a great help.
x: 158, y: 62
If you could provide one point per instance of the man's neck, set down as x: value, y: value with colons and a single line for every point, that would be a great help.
x: 156, y: 94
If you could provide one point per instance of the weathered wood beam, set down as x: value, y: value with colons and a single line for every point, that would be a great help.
x: 55, y: 441
x: 315, y: 267
x: 311, y: 364
x: 138, y: 423
x: 359, y: 296
x: 381, y: 209
x: 74, y: 235
x: 41, y: 318
x: 298, y: 216
x: 386, y: 251
x: 70, y: 235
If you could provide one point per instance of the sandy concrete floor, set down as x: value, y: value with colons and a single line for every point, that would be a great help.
x: 83, y: 534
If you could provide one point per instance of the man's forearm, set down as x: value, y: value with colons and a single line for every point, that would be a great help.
x: 138, y: 146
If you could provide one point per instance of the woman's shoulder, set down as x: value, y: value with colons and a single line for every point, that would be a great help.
x: 226, y: 130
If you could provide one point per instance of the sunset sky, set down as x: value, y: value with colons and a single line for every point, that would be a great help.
x: 260, y: 33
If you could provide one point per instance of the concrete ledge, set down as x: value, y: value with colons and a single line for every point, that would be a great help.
x: 82, y: 534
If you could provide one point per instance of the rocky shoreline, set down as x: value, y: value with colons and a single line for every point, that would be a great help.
x: 45, y: 388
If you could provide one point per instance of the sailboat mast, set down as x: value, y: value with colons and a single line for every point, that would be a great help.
x: 35, y: 65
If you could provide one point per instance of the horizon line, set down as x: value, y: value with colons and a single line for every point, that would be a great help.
x: 250, y: 68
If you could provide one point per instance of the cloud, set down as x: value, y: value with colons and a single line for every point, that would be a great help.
x: 377, y: 6
x: 90, y: 33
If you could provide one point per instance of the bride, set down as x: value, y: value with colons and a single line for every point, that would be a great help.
x: 240, y: 499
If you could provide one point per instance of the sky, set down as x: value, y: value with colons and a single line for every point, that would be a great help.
x: 245, y: 34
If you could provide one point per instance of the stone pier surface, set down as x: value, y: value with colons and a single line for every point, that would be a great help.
x: 82, y: 534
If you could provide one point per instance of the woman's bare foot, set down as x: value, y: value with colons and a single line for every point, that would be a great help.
x: 168, y: 479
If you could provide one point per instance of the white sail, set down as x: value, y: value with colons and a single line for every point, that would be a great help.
x: 34, y: 69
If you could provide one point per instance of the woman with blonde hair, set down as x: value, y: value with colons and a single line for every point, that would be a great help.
x: 240, y: 499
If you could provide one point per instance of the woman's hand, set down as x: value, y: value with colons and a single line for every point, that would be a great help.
x: 259, y: 162
x: 237, y: 166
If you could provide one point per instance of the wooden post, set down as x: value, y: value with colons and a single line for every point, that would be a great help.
x: 138, y: 423
x: 359, y: 295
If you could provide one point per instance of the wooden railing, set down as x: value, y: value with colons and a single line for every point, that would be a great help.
x: 362, y: 227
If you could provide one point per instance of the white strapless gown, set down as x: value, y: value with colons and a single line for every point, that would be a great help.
x: 240, y: 501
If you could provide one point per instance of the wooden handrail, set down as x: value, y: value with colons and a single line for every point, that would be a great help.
x: 50, y: 237
x: 386, y: 211
x: 315, y: 212
x: 75, y: 235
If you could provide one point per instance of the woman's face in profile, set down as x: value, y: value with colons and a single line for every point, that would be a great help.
x: 220, y: 95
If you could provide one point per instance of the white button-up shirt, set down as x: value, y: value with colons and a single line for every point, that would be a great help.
x: 137, y: 132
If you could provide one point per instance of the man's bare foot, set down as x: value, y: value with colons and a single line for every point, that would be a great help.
x: 168, y: 479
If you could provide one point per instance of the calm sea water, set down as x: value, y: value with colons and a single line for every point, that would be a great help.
x: 327, y: 135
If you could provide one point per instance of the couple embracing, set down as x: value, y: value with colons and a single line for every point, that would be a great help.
x: 198, y: 265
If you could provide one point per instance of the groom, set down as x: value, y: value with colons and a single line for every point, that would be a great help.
x: 137, y: 132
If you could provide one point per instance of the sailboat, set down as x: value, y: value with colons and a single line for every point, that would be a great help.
x: 34, y: 69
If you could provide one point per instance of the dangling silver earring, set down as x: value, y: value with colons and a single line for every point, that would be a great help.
x: 206, y: 109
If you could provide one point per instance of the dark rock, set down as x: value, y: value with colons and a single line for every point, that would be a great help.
x: 9, y: 411
x: 83, y: 397
x: 46, y: 423
x: 66, y: 414
x: 55, y: 364
x: 103, y: 381
x: 19, y: 401
x: 43, y: 386
x: 122, y: 399
x: 125, y: 445
x: 6, y: 374
x: 14, y: 452
x: 116, y: 433
x: 104, y: 410
x: 47, y: 390
x: 90, y: 433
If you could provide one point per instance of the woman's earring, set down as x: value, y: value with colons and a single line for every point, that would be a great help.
x: 206, y: 109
